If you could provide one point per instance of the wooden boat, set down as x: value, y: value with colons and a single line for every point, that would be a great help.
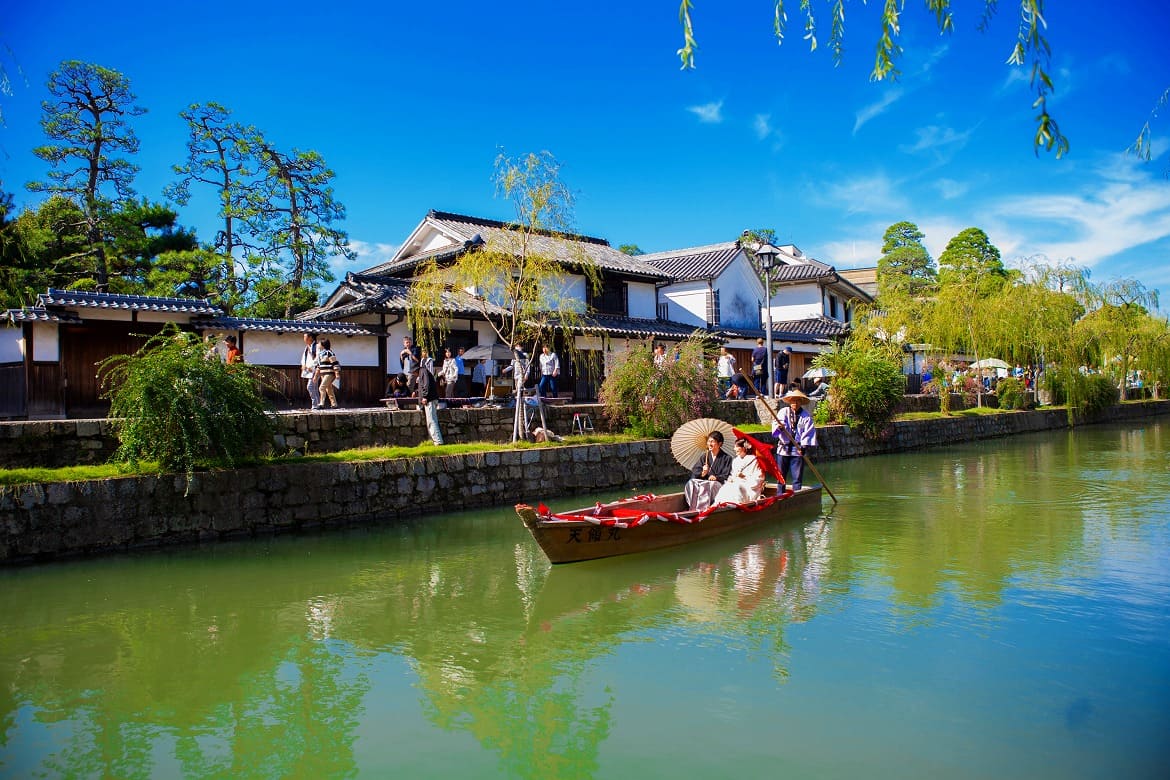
x: 644, y: 523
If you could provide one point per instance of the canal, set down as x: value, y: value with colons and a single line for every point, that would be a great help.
x: 999, y: 609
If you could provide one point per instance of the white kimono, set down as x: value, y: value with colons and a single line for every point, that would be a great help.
x: 745, y: 484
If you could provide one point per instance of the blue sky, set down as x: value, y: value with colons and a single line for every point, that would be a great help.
x: 410, y: 103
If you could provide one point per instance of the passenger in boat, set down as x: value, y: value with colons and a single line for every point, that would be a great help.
x: 746, y: 482
x: 709, y: 473
x: 795, y: 433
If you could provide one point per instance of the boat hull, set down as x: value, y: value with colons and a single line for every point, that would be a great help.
x: 566, y: 541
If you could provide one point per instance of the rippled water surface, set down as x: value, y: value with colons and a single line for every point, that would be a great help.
x: 996, y: 610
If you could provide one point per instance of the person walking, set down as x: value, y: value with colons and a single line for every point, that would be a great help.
x: 309, y: 371
x: 550, y: 369
x: 428, y: 400
x: 328, y: 372
x: 795, y: 434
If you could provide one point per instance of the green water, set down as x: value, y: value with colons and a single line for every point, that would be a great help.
x: 996, y: 610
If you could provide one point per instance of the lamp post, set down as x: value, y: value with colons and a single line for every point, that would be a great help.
x: 767, y: 255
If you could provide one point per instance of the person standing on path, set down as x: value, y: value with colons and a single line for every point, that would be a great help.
x: 550, y: 369
x: 309, y: 371
x: 328, y: 372
x: 463, y: 384
x: 760, y: 358
x: 428, y: 401
x: 450, y: 372
x: 783, y: 361
x: 725, y: 370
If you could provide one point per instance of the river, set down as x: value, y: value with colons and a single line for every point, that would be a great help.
x: 999, y: 609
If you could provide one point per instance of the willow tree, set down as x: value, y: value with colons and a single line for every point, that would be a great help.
x: 1118, y: 326
x: 1030, y: 48
x: 526, y: 278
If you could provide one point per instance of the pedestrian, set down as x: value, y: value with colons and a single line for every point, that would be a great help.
x: 760, y: 360
x: 328, y: 374
x: 233, y: 355
x: 428, y: 400
x: 463, y: 384
x: 550, y: 369
x: 725, y: 370
x: 783, y: 361
x: 450, y: 373
x: 309, y: 371
x: 410, y: 354
x: 795, y: 434
x: 478, y: 379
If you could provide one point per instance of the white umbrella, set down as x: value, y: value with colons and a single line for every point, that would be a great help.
x: 819, y: 373
x: 990, y: 363
x: 690, y: 440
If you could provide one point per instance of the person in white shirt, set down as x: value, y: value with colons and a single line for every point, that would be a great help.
x: 746, y: 482
x: 450, y: 373
x: 550, y: 369
x: 309, y: 371
x: 725, y: 370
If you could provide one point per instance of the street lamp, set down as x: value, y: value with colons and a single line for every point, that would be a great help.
x: 767, y: 255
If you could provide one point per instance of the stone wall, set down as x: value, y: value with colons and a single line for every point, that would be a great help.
x: 42, y: 521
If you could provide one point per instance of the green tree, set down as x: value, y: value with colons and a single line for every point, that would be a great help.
x: 87, y: 119
x: 520, y: 279
x: 1119, y: 325
x: 220, y: 156
x: 972, y: 261
x: 905, y: 267
x: 631, y: 249
x: 1031, y: 47
x: 292, y: 212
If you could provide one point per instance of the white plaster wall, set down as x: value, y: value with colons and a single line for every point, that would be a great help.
x: 434, y: 241
x: 46, y: 342
x: 11, y: 345
x: 796, y: 302
x: 643, y: 300
x: 284, y: 349
x: 740, y: 293
x: 687, y: 302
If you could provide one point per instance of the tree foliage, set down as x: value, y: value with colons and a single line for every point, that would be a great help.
x: 87, y: 121
x: 868, y: 385
x: 972, y: 262
x: 905, y: 267
x: 1031, y: 47
x: 650, y: 400
x: 172, y: 403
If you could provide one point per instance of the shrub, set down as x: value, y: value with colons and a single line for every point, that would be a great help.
x: 868, y: 387
x: 650, y: 401
x: 1011, y: 394
x: 1085, y: 395
x: 170, y: 402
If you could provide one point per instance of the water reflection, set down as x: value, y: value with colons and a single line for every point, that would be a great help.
x: 355, y: 652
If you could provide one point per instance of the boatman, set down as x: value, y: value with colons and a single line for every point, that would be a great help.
x: 709, y: 474
x: 795, y: 433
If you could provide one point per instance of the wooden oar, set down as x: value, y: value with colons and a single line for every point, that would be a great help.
x: 787, y: 435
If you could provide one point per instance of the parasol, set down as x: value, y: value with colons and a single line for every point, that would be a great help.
x: 819, y: 373
x: 764, y: 454
x: 989, y: 363
x: 689, y: 442
x: 495, y: 351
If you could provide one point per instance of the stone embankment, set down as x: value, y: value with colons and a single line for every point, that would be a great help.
x: 43, y: 521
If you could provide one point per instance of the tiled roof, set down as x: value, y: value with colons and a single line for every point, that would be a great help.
x: 569, y: 249
x: 807, y: 330
x: 285, y: 326
x: 803, y: 272
x: 700, y: 262
x: 40, y: 314
x: 637, y: 327
x: 388, y: 294
x: 97, y: 300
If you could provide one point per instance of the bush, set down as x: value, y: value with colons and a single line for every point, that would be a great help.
x: 650, y: 401
x: 868, y: 387
x: 1011, y: 394
x: 172, y: 403
x: 1085, y: 395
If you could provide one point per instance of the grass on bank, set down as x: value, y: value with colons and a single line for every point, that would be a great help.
x: 24, y: 476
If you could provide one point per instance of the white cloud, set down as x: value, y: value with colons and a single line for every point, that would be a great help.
x: 876, y: 109
x: 942, y: 142
x: 368, y: 255
x: 763, y: 126
x: 864, y: 195
x: 708, y: 113
x: 949, y: 189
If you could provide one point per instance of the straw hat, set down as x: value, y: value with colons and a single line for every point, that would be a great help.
x: 795, y: 395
